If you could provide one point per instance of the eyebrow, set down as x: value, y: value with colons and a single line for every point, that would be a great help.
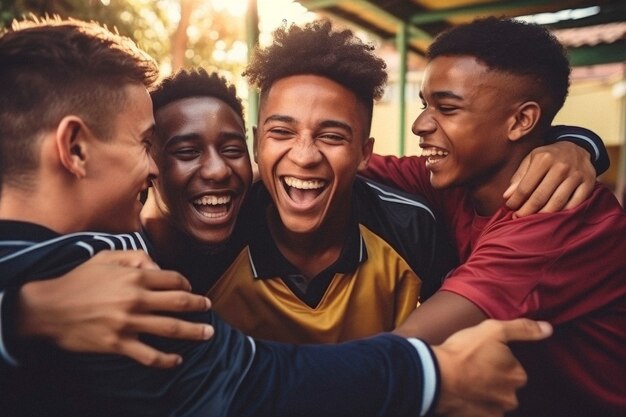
x: 180, y: 138
x: 279, y: 118
x: 336, y: 123
x: 443, y: 94
x: 196, y: 136
x: 291, y: 120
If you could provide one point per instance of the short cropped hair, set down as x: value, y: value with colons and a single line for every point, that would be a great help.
x: 52, y: 68
x: 195, y: 83
x: 517, y: 48
x: 317, y: 49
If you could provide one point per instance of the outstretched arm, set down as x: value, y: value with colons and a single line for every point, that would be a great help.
x: 453, y: 313
x: 103, y: 305
x: 382, y: 376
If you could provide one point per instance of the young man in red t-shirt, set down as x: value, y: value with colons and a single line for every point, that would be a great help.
x: 488, y: 101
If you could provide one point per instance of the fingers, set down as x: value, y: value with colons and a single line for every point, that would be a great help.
x: 172, y: 301
x: 549, y: 179
x: 135, y: 259
x: 515, y: 179
x: 163, y: 280
x: 525, y: 189
x: 170, y: 327
x: 147, y: 355
x: 521, y: 329
x: 583, y: 191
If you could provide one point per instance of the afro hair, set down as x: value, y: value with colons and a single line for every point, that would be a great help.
x: 319, y: 50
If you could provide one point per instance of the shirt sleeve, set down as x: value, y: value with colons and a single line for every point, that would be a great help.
x: 7, y: 304
x: 407, y: 173
x: 382, y: 376
x: 584, y: 138
x: 432, y: 377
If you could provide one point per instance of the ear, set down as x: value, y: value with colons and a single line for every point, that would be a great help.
x: 524, y: 120
x: 71, y: 143
x: 367, y: 150
x: 255, y: 144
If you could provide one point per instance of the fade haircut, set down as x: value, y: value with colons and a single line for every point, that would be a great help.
x: 317, y: 49
x: 52, y: 68
x: 516, y: 48
x: 195, y: 83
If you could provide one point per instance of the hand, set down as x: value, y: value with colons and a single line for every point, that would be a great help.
x: 479, y: 374
x: 551, y: 178
x: 104, y: 304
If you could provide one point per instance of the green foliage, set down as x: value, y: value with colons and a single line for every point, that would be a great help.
x: 215, y: 38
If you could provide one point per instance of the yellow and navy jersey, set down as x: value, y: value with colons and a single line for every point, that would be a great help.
x: 395, y: 254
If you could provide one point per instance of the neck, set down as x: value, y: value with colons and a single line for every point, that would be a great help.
x: 45, y: 205
x: 172, y: 246
x: 313, y: 252
x: 486, y: 193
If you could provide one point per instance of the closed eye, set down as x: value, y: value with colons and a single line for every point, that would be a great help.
x: 331, y: 137
x: 185, y: 153
x: 446, y: 109
x: 234, y: 152
x: 280, y: 132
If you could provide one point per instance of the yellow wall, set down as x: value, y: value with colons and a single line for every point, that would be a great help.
x: 592, y: 105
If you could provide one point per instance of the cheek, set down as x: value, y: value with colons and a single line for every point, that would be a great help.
x: 177, y: 173
x: 265, y: 164
x: 344, y: 164
x: 242, y: 170
x: 140, y: 165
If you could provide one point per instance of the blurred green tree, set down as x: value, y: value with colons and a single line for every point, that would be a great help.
x: 177, y: 33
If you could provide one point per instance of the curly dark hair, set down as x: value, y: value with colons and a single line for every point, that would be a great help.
x: 195, y: 83
x: 319, y: 50
x: 514, y: 47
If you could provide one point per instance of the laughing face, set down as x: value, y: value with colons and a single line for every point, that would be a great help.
x: 310, y: 142
x: 463, y: 128
x: 204, y: 167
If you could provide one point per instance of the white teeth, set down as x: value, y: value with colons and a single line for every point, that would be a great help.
x: 434, y: 152
x: 212, y: 200
x: 212, y: 215
x: 304, y: 185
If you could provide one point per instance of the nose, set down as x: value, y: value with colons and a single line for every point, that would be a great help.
x: 424, y: 124
x: 304, y: 151
x: 214, y: 167
x: 153, y: 169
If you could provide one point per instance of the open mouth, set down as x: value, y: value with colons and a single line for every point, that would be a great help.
x: 434, y: 155
x: 213, y: 206
x: 303, y: 191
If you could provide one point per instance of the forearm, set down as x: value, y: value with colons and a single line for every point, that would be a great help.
x: 586, y: 139
x: 380, y: 376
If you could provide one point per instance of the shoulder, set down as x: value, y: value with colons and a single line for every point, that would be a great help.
x: 52, y: 256
x: 390, y: 201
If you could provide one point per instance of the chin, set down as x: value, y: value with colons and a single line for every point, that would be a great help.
x: 439, y: 183
x: 214, y: 238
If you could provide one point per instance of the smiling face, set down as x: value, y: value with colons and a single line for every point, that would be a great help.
x: 463, y: 129
x: 204, y: 167
x: 121, y: 167
x: 310, y: 143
